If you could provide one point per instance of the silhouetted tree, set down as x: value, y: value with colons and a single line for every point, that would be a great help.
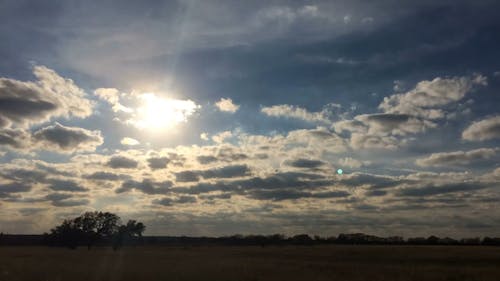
x: 129, y: 230
x: 92, y: 227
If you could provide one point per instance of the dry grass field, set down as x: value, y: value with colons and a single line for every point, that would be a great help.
x: 287, y: 263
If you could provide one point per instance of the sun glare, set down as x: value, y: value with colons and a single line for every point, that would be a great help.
x: 160, y: 113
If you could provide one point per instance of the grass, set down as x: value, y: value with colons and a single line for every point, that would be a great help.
x: 344, y: 263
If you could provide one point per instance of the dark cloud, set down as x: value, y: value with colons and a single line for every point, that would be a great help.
x: 65, y: 185
x: 58, y: 137
x: 71, y: 203
x: 287, y: 194
x: 26, y: 103
x: 31, y: 211
x: 158, y: 162
x: 117, y: 162
x: 65, y: 200
x: 170, y: 201
x: 146, y: 186
x: 105, y: 176
x: 232, y: 171
x: 24, y: 175
x: 373, y: 181
x: 300, y: 182
x: 222, y: 154
x: 206, y: 159
x: 187, y: 176
x: 14, y: 138
x: 58, y: 196
x: 13, y: 187
x: 372, y: 193
x: 442, y: 189
x: 305, y: 163
x: 216, y: 196
x: 278, y: 195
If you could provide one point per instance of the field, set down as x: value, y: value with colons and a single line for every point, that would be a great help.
x: 288, y: 263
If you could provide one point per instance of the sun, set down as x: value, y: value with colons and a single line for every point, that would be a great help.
x: 161, y: 113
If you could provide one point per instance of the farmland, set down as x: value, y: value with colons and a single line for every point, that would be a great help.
x: 320, y: 262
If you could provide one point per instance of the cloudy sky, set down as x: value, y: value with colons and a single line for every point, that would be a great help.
x: 224, y: 117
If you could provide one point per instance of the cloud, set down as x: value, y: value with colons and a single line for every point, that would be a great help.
x: 58, y: 196
x: 231, y: 171
x: 117, y: 162
x: 65, y: 185
x: 57, y: 138
x: 67, y: 139
x: 13, y: 187
x: 23, y: 104
x: 24, y: 175
x: 442, y: 189
x: 291, y: 194
x: 129, y: 141
x: 372, y: 181
x: 408, y: 113
x: 227, y: 105
x: 180, y: 200
x: 276, y: 181
x: 304, y: 163
x: 15, y: 138
x: 65, y: 200
x: 220, y: 137
x: 105, y: 176
x: 187, y: 176
x: 290, y: 111
x: 486, y: 129
x: 424, y: 100
x: 393, y: 124
x: 206, y: 159
x: 458, y: 158
x: 146, y: 186
x: 158, y: 162
x: 112, y: 96
x: 350, y: 162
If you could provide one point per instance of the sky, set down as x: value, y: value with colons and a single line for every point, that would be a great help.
x: 252, y: 117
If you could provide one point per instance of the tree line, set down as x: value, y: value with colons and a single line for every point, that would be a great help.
x: 94, y: 228
x: 305, y: 239
x: 104, y: 228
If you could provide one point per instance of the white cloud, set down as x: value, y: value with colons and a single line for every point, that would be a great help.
x: 350, y: 162
x: 409, y: 113
x: 112, y: 96
x: 486, y: 129
x: 458, y: 158
x: 427, y: 96
x: 220, y: 137
x: 227, y: 105
x: 291, y: 111
x: 204, y: 136
x: 129, y: 141
x: 23, y: 104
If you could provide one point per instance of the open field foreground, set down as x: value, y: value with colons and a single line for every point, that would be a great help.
x: 252, y: 263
